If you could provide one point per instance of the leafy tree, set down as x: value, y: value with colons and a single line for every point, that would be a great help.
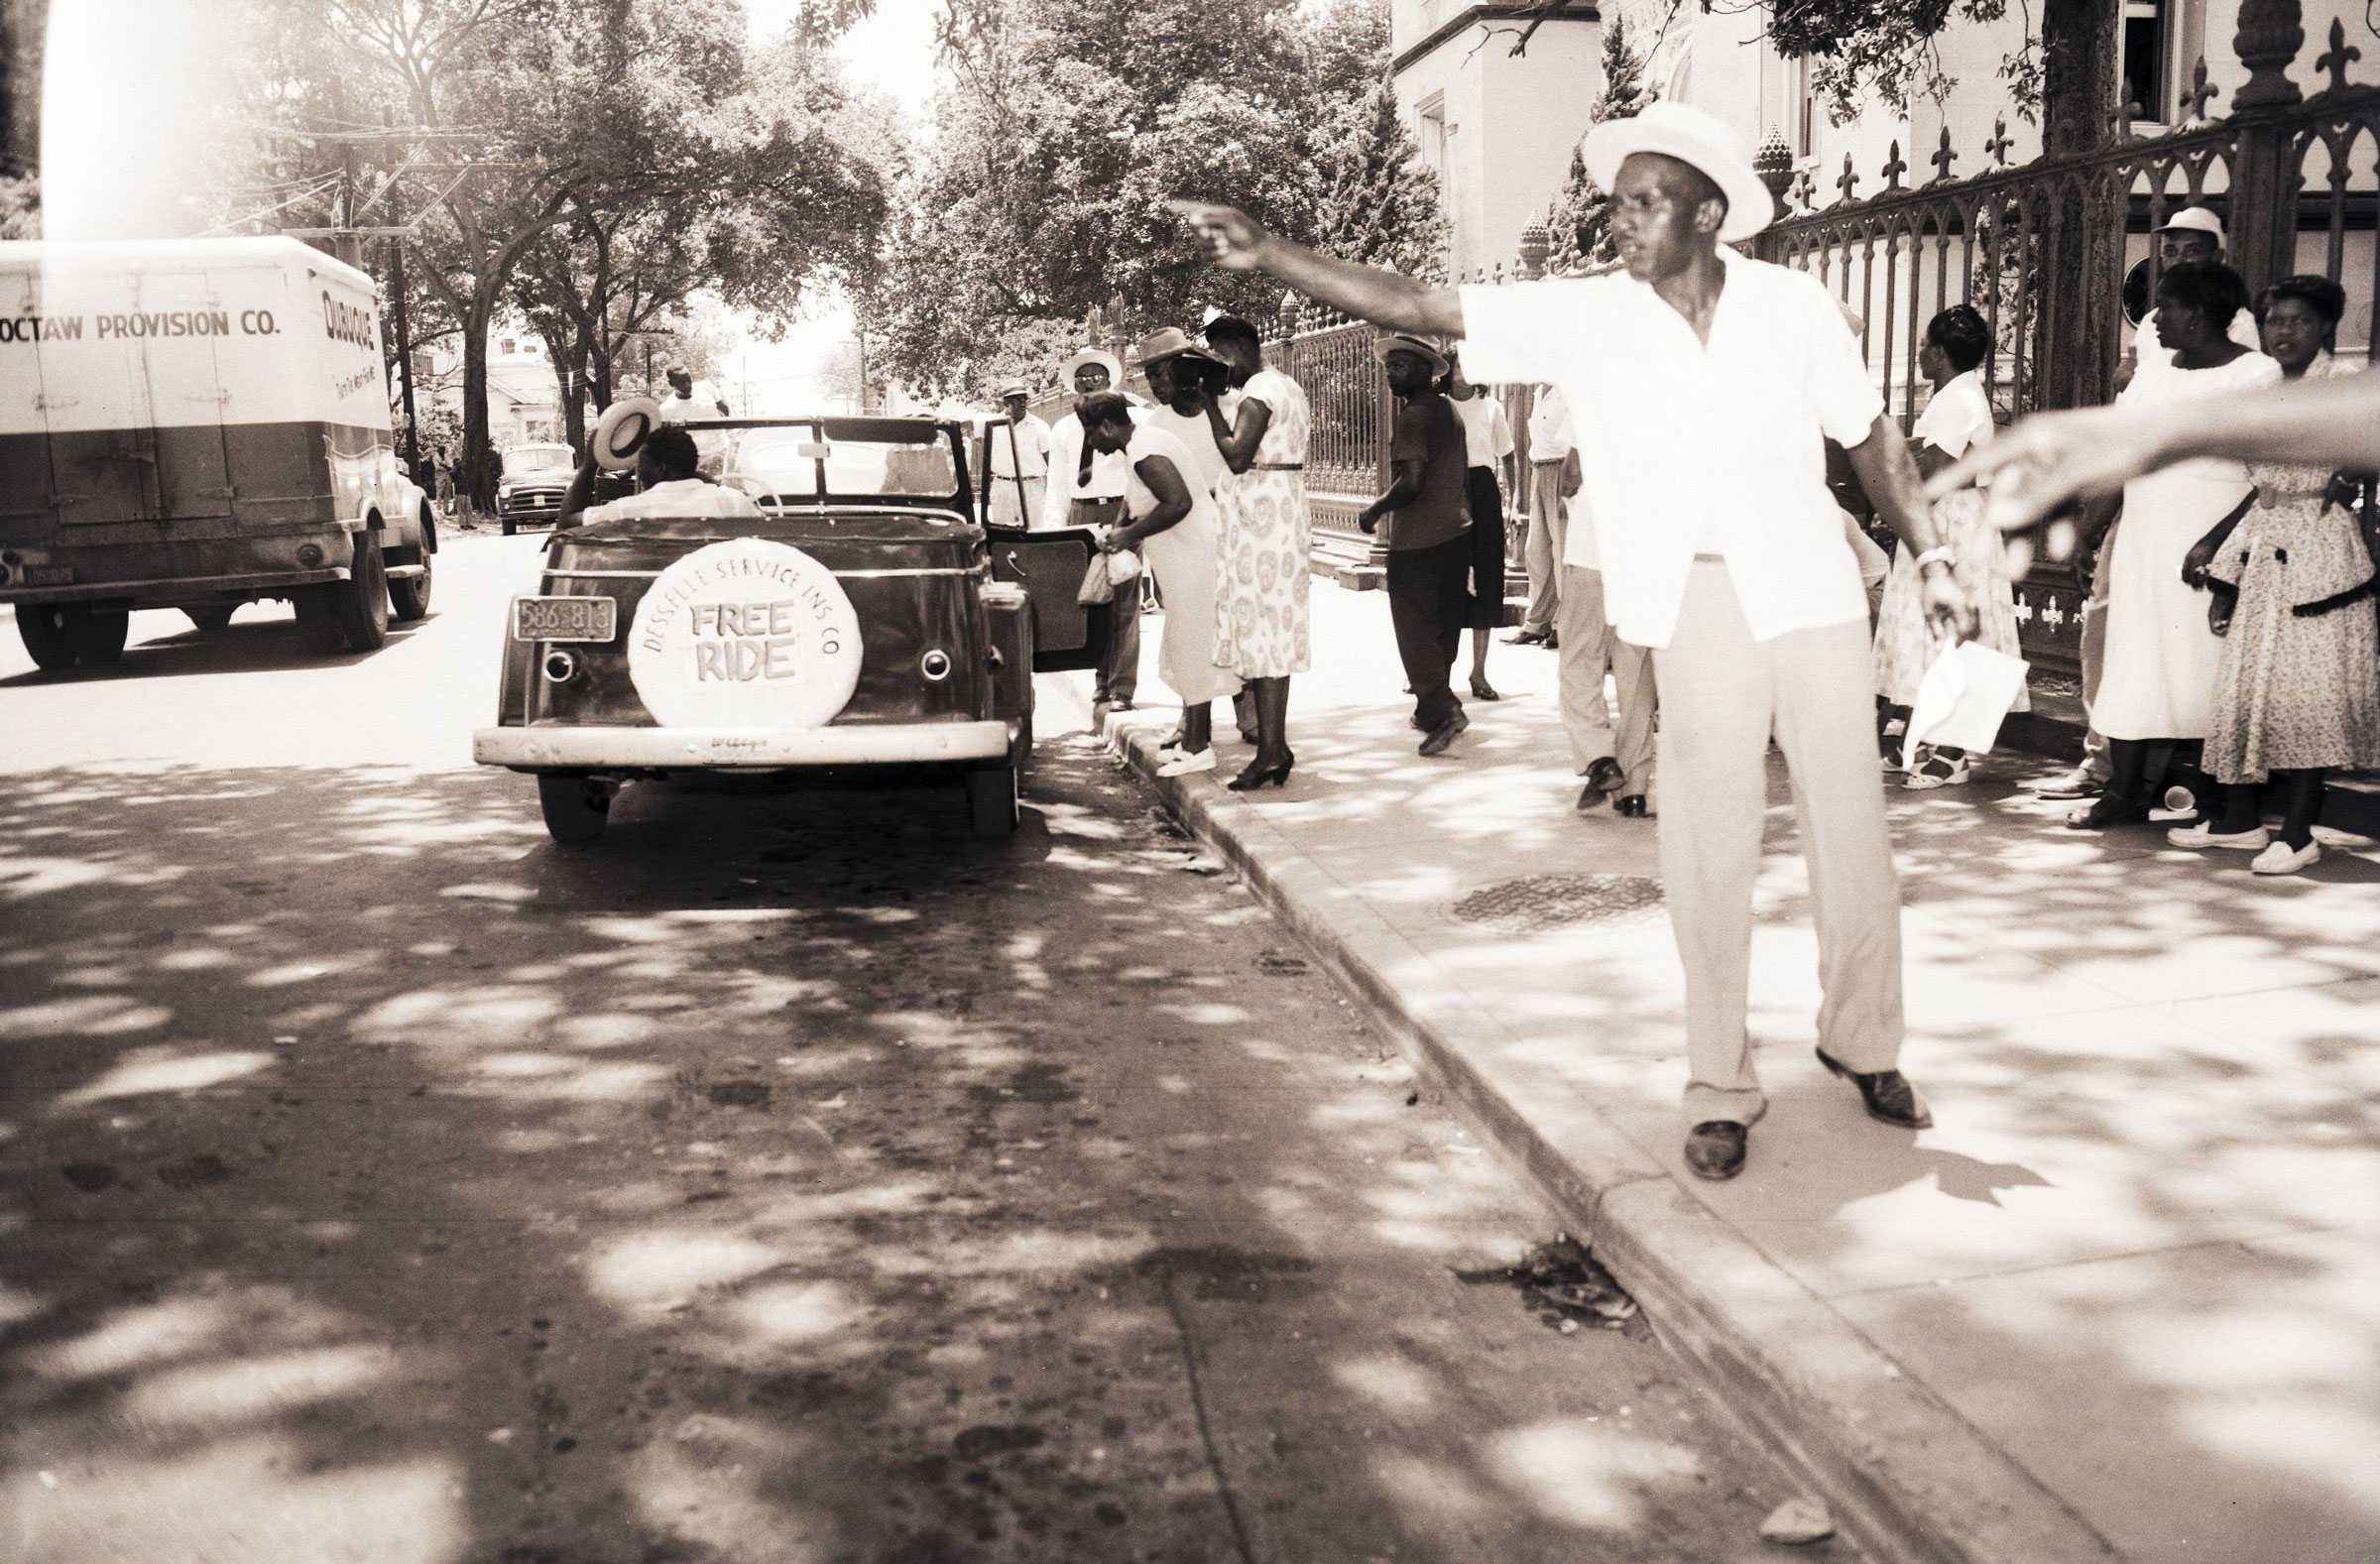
x: 21, y: 36
x: 2065, y: 75
x: 1041, y: 193
x: 1380, y: 206
x: 1581, y: 220
x: 524, y: 117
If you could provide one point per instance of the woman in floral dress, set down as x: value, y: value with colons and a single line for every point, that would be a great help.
x: 2298, y: 691
x: 1260, y: 627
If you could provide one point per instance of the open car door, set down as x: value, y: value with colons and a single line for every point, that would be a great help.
x: 1050, y: 566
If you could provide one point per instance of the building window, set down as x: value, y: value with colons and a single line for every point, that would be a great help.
x: 2148, y: 65
x: 1805, y: 110
x: 507, y: 346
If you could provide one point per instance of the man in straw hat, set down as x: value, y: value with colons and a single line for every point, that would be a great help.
x: 1086, y: 489
x: 1706, y: 382
x: 1429, y: 548
x: 1016, y: 460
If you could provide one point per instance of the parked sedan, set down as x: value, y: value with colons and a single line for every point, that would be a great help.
x: 529, y: 492
x: 866, y: 618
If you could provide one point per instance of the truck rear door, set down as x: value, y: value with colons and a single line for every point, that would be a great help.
x: 26, y: 514
x: 95, y: 397
x: 184, y: 318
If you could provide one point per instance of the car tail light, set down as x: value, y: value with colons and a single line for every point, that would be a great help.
x: 935, y: 665
x: 560, y: 668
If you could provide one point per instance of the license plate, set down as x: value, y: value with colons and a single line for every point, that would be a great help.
x: 48, y: 575
x: 564, y: 617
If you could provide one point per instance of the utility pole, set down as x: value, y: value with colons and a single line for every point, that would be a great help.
x: 346, y: 244
x: 404, y: 339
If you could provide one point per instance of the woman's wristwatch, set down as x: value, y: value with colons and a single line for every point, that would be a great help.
x: 1940, y: 553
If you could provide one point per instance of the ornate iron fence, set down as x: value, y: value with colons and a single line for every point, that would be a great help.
x: 2049, y: 251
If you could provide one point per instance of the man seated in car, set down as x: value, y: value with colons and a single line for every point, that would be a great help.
x: 668, y: 482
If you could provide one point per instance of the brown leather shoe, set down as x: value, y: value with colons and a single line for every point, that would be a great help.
x: 1889, y: 1097
x: 1714, y: 1148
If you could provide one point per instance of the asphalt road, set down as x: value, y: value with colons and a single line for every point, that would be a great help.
x: 790, y: 1178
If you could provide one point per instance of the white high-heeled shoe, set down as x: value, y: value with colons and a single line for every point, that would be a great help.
x: 1184, y: 765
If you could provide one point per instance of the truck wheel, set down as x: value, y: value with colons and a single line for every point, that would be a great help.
x: 576, y: 808
x: 42, y: 629
x: 411, y: 596
x: 362, y: 600
x: 97, y: 634
x: 992, y: 800
x: 319, y: 618
x: 211, y: 621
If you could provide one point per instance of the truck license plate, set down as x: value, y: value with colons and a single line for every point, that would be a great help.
x: 564, y: 617
x: 48, y: 575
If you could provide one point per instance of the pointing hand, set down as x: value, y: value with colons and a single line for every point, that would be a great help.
x: 1230, y: 236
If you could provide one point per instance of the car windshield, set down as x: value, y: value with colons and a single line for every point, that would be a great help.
x: 525, y: 459
x: 844, y: 459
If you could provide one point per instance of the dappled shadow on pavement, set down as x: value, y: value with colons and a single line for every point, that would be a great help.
x: 788, y: 1179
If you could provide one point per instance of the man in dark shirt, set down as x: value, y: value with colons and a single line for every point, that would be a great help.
x: 1429, y: 548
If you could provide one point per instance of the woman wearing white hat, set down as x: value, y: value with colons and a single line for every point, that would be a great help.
x: 1170, y: 519
x: 1712, y: 381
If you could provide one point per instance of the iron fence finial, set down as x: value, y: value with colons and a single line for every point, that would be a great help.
x: 1849, y: 183
x: 2000, y: 143
x: 1894, y: 168
x: 1942, y: 158
x: 2343, y: 54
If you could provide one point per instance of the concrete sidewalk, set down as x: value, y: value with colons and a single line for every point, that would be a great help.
x: 2123, y: 1302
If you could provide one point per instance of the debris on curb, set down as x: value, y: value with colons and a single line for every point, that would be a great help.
x: 1798, y: 1522
x: 1565, y: 1284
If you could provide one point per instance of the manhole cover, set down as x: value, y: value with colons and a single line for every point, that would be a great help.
x: 1550, y: 901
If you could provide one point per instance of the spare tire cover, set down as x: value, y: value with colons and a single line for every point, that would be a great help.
x: 745, y: 634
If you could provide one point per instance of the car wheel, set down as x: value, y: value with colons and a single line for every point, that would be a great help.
x: 211, y: 621
x: 42, y: 629
x: 97, y: 634
x: 508, y: 529
x: 362, y: 600
x: 992, y: 800
x: 409, y: 598
x: 576, y: 808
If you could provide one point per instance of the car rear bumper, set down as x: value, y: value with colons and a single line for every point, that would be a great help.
x: 674, y: 749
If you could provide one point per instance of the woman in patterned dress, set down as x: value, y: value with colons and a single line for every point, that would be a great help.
x: 1260, y: 626
x: 1957, y: 419
x: 2298, y: 691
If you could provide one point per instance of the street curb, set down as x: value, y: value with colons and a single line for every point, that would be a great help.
x: 1906, y: 1476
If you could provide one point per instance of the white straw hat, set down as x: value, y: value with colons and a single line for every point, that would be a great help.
x: 620, y: 433
x: 1674, y: 130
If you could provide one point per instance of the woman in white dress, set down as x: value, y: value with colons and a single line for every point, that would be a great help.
x: 2162, y: 653
x: 1170, y: 518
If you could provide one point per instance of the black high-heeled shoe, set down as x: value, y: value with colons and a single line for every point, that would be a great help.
x: 1257, y: 776
x: 1480, y: 689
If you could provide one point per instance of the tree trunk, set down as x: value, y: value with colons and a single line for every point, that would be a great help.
x: 476, y: 475
x: 2078, y: 49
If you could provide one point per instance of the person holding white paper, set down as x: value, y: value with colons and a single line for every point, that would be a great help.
x: 1956, y: 421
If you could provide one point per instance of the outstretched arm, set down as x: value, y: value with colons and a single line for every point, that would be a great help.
x: 1237, y: 242
x: 1889, y: 476
x: 2053, y: 458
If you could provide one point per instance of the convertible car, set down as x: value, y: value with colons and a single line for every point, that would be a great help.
x: 866, y: 618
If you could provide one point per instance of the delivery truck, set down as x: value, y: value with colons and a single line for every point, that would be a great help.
x: 198, y: 424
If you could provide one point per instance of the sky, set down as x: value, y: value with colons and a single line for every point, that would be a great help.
x: 891, y: 50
